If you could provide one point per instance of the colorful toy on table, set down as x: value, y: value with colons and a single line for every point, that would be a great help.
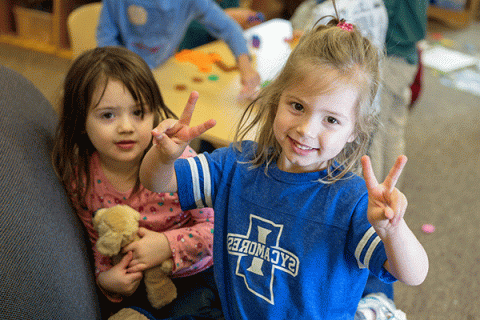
x: 265, y: 83
x: 222, y: 66
x: 201, y: 59
x: 180, y: 87
x: 259, y: 17
x: 255, y: 41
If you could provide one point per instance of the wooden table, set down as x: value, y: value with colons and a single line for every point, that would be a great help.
x: 218, y: 98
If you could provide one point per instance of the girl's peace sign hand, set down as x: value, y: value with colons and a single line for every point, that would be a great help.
x: 386, y: 204
x: 172, y: 136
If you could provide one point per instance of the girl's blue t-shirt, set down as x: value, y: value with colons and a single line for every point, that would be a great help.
x: 285, y: 245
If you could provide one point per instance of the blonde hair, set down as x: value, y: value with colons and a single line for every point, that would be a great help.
x: 353, y: 58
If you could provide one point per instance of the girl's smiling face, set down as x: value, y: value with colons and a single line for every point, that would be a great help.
x: 117, y: 127
x: 313, y: 123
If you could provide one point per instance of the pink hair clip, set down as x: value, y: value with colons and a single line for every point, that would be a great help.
x: 345, y: 25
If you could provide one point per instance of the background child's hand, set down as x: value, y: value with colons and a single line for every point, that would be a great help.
x: 386, y: 204
x: 172, y: 136
x: 246, y: 18
x: 249, y: 77
x: 151, y: 250
x: 118, y: 280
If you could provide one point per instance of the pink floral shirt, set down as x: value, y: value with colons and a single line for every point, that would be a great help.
x: 190, y: 233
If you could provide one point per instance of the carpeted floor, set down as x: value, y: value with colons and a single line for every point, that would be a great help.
x: 442, y: 182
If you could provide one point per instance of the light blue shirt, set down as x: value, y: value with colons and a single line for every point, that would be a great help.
x: 155, y: 28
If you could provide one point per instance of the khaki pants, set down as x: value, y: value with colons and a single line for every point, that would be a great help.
x: 388, y: 141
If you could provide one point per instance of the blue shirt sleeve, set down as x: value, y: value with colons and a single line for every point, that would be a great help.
x: 185, y: 184
x: 108, y: 33
x: 366, y: 245
x: 220, y: 25
x: 198, y: 178
x: 194, y: 181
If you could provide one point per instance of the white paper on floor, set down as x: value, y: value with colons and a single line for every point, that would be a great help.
x: 447, y: 60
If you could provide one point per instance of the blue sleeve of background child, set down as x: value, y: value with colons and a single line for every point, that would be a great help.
x: 107, y: 32
x: 220, y: 25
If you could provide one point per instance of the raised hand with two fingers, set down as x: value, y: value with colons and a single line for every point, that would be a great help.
x: 406, y: 258
x: 172, y: 136
x: 386, y: 204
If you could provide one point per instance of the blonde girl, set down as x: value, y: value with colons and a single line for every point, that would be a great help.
x: 296, y: 231
x: 111, y: 103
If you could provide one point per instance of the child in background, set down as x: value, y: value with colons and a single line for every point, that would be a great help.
x: 155, y: 30
x: 296, y: 232
x: 407, y: 25
x: 197, y: 35
x: 370, y: 16
x: 111, y: 103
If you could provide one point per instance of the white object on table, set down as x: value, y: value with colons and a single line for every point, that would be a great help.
x: 274, y: 50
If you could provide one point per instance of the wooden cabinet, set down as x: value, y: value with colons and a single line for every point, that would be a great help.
x: 58, y: 44
x: 455, y: 18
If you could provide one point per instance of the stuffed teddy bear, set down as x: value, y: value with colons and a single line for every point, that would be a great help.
x: 117, y: 227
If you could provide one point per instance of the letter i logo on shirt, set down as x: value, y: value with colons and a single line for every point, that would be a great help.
x: 259, y: 255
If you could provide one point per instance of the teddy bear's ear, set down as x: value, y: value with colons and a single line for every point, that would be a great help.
x: 96, y: 216
x: 137, y: 215
x: 134, y: 213
x: 109, y: 244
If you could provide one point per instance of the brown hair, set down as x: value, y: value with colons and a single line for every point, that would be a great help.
x: 90, y: 71
x: 353, y: 59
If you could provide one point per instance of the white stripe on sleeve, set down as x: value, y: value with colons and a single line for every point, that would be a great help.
x: 361, y: 245
x: 196, y: 183
x: 207, y: 183
x: 370, y: 250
